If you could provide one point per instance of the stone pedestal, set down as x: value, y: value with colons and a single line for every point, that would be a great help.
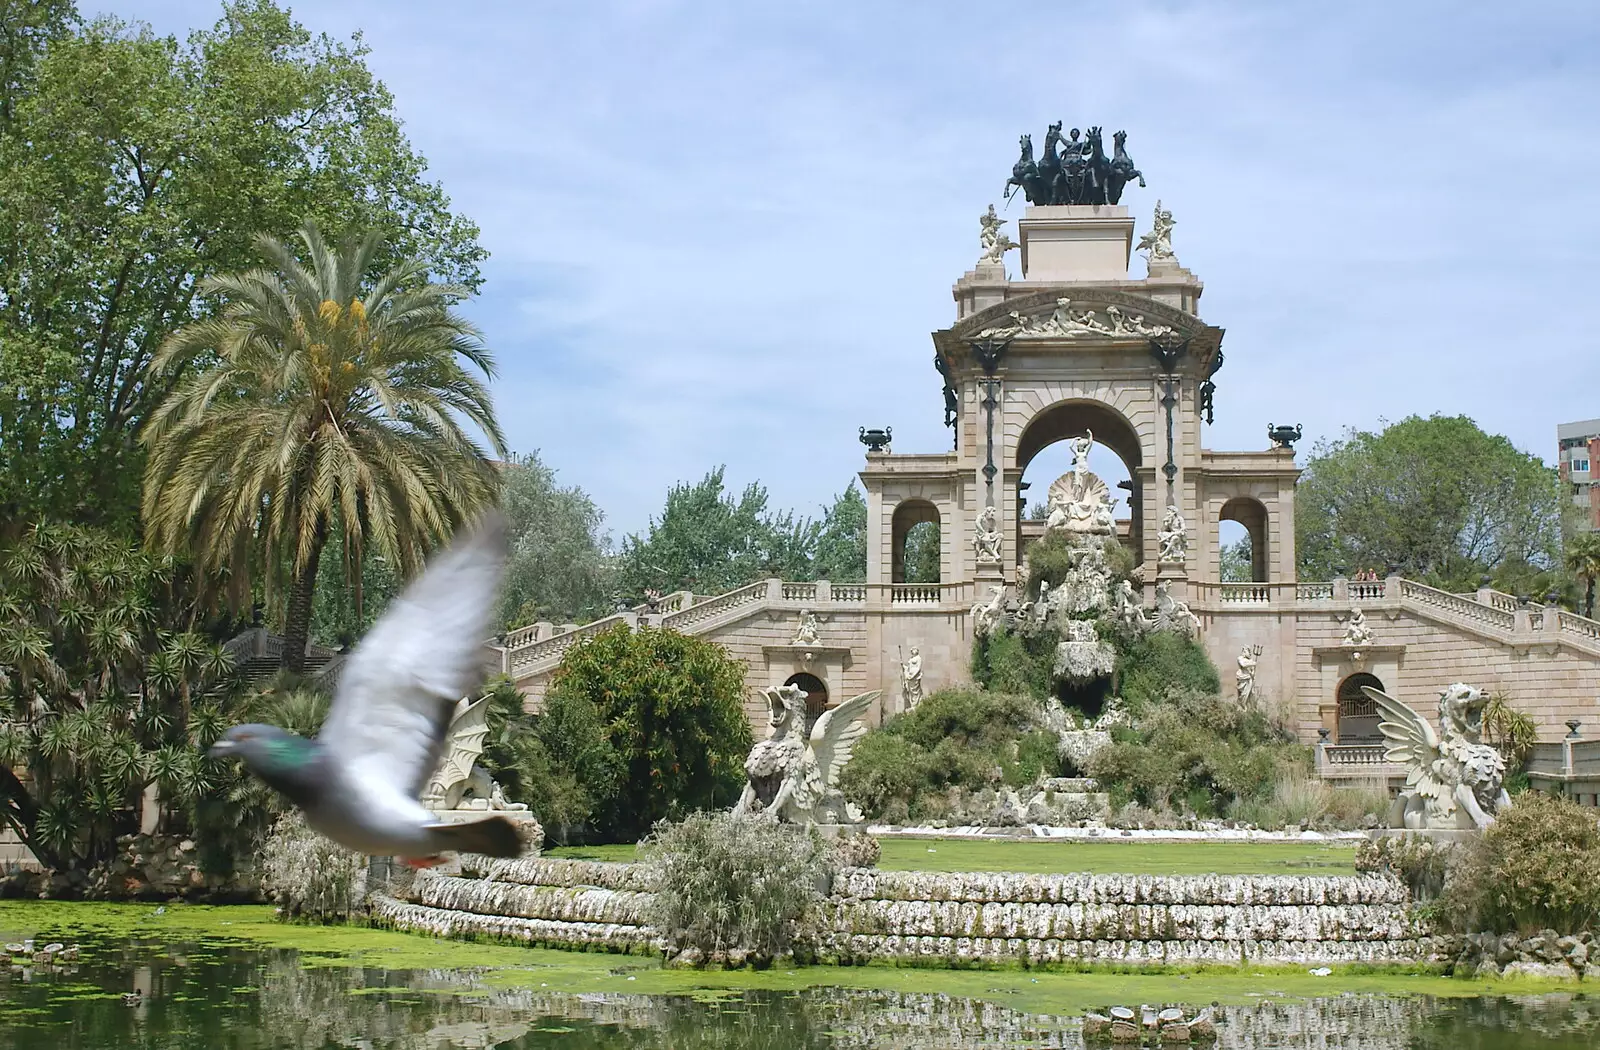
x: 1176, y: 576
x: 1076, y: 242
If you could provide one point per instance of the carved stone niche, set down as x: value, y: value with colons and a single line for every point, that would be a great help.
x: 826, y: 662
x: 1332, y: 664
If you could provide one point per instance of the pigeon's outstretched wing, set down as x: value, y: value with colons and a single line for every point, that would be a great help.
x: 399, y: 689
x: 1412, y: 742
x: 835, y: 734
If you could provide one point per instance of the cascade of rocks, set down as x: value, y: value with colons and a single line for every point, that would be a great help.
x: 959, y: 917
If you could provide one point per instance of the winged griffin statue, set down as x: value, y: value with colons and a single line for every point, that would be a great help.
x: 794, y: 779
x: 1454, y: 780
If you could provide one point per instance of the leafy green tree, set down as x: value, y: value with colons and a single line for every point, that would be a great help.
x: 107, y: 688
x: 709, y: 542
x: 1238, y: 564
x: 922, y: 553
x: 673, y: 721
x: 841, y: 554
x: 1582, y: 560
x: 318, y: 402
x: 561, y: 567
x: 164, y: 160
x: 1438, y: 498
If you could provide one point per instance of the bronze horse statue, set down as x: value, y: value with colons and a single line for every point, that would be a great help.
x: 1122, y: 169
x: 1025, y: 173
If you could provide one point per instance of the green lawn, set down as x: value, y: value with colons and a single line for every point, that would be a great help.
x: 1145, y: 858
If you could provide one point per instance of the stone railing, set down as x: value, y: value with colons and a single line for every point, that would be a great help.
x: 915, y: 593
x: 552, y: 649
x: 849, y: 592
x: 994, y: 918
x: 1313, y: 592
x: 1477, y: 612
x: 1571, y: 623
x: 1244, y: 593
x: 799, y: 592
x: 258, y: 643
x: 713, y: 607
x: 1354, y: 761
x: 1366, y: 590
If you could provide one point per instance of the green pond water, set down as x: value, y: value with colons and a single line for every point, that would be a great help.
x: 192, y: 979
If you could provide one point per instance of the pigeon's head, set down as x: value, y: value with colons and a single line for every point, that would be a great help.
x: 271, y: 753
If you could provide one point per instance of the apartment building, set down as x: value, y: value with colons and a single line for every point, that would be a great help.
x: 1578, y: 458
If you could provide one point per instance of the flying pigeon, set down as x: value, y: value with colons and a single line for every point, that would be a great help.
x: 360, y: 780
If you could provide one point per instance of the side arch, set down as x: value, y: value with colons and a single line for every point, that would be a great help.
x: 908, y: 514
x: 1358, y: 718
x: 1252, y: 514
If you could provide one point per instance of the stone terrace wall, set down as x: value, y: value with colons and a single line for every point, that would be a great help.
x: 975, y: 917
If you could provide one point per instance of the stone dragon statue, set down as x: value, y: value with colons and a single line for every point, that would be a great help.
x: 1454, y: 780
x: 459, y: 775
x: 792, y: 778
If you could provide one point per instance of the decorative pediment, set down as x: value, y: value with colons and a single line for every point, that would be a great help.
x: 1086, y: 315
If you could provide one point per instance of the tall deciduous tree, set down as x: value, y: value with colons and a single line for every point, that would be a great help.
x: 561, y: 567
x: 707, y: 541
x: 1438, y: 499
x: 132, y: 168
x: 318, y: 401
x: 842, y: 541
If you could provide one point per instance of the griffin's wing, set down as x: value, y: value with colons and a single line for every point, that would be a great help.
x: 1412, y: 741
x: 836, y: 732
x: 463, y: 743
x: 399, y: 689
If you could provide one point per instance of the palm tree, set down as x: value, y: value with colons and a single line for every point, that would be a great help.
x: 1583, y: 561
x: 317, y: 402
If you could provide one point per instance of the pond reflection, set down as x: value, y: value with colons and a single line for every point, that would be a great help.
x: 228, y: 997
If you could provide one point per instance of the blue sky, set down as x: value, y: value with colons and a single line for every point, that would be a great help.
x: 721, y: 232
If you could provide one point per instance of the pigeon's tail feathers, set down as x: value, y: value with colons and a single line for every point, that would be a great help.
x: 494, y: 837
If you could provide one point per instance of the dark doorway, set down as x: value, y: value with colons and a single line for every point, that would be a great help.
x: 816, y: 696
x: 1358, y: 715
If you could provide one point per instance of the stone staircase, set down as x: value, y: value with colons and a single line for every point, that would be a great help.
x: 258, y: 656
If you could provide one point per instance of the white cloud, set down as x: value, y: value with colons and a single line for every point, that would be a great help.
x: 723, y: 232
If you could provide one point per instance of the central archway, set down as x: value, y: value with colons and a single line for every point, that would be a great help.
x: 1111, y: 431
x: 1358, y: 716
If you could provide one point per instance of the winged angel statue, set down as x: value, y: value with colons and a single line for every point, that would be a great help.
x: 1454, y: 780
x: 794, y: 779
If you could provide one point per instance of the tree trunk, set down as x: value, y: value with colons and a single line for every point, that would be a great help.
x: 297, y: 624
x: 1588, y: 598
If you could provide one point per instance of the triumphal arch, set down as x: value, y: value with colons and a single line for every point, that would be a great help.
x: 1077, y: 331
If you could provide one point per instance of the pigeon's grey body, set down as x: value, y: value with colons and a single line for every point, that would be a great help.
x: 359, y: 781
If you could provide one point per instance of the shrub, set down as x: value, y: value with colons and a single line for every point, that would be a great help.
x: 1159, y: 666
x: 1199, y: 753
x: 1299, y: 799
x: 855, y: 851
x: 1533, y: 869
x: 1006, y: 662
x: 669, y: 707
x: 1421, y: 863
x: 309, y: 876
x: 736, y: 889
x: 955, y: 738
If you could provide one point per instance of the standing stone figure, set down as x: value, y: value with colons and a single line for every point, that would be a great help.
x: 987, y: 541
x: 994, y: 240
x: 1080, y: 447
x: 1157, y: 244
x: 1245, y: 676
x: 911, y: 680
x: 1173, y: 536
x: 1356, y: 630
